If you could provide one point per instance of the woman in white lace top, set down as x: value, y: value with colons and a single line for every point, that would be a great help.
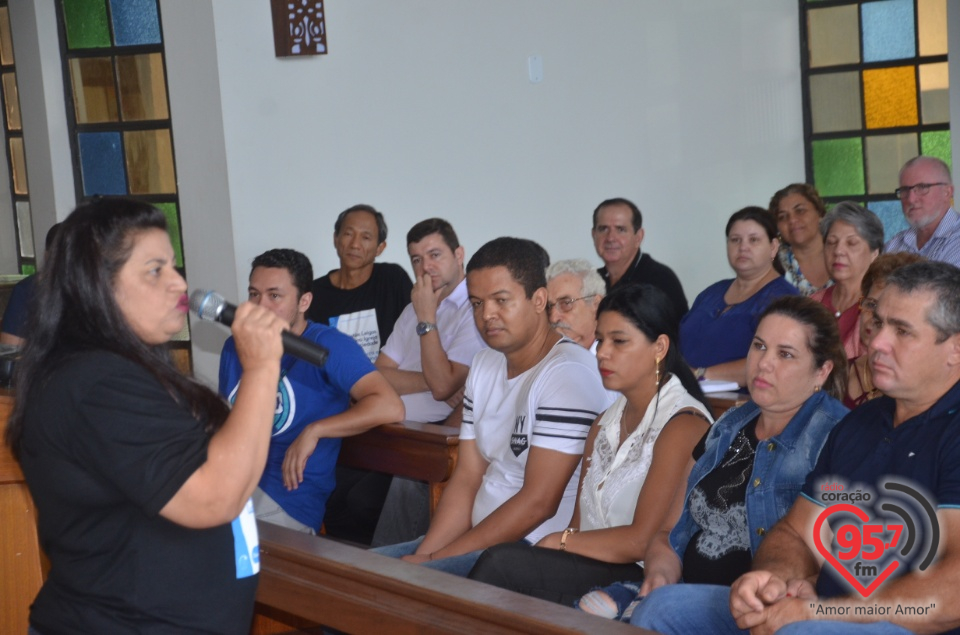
x: 634, y: 458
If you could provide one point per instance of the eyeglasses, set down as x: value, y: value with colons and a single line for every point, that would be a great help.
x: 564, y: 305
x: 921, y: 189
x: 868, y: 304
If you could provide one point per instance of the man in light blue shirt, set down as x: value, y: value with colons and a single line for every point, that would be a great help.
x: 925, y: 192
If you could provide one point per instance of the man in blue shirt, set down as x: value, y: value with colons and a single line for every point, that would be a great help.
x: 313, y: 403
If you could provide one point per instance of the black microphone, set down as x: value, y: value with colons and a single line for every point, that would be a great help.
x: 210, y: 305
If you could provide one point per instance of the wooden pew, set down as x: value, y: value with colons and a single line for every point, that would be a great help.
x: 428, y: 452
x: 313, y: 580
x: 422, y: 451
x: 22, y: 567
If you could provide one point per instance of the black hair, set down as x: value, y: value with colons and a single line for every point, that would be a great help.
x: 75, y: 309
x: 654, y: 314
x: 637, y: 217
x: 526, y: 261
x: 381, y: 223
x: 434, y: 226
x: 293, y: 261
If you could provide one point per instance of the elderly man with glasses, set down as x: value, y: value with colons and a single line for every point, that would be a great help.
x: 926, y: 193
x: 573, y: 290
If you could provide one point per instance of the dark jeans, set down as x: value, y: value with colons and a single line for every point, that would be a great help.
x: 548, y: 574
x: 354, y: 506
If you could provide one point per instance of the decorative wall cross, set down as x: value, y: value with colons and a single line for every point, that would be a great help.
x: 298, y: 27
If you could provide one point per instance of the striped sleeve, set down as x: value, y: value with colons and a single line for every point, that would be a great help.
x: 571, y: 396
x: 563, y: 423
x: 467, y: 431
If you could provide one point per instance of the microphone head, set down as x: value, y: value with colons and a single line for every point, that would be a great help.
x: 208, y: 305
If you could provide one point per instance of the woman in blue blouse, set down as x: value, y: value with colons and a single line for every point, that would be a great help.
x: 716, y: 332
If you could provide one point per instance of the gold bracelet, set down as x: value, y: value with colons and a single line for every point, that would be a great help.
x: 563, y: 537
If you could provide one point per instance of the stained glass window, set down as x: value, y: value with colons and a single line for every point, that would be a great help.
x: 14, y: 149
x: 876, y: 88
x: 118, y: 110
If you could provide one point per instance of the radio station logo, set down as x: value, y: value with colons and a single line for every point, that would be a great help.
x: 867, y: 550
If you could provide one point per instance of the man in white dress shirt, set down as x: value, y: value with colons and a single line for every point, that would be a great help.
x: 426, y: 360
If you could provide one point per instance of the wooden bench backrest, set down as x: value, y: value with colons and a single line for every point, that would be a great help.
x: 21, y: 564
x: 356, y: 591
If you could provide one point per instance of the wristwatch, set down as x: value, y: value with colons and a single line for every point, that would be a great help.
x: 425, y: 327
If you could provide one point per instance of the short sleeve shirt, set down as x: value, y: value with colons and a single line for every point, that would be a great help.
x: 305, y: 393
x: 105, y: 448
x: 551, y: 406
x: 865, y: 449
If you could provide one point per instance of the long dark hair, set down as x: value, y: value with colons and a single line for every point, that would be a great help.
x: 75, y: 310
x: 654, y: 314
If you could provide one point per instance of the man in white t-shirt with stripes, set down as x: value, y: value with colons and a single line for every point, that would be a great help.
x: 529, y: 402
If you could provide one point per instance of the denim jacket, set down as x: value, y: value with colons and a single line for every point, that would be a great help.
x: 780, y: 466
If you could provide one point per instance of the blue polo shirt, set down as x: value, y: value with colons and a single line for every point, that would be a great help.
x: 865, y: 450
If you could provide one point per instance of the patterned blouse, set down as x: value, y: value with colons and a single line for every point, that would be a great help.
x: 793, y: 274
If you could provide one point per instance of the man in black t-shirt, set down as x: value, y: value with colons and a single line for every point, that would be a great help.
x: 363, y: 299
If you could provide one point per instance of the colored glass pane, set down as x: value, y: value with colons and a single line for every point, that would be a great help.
x: 6, y: 41
x: 173, y: 228
x: 143, y: 93
x: 149, y: 156
x: 838, y: 166
x: 934, y: 93
x: 835, y: 102
x: 135, y: 22
x: 19, y: 160
x: 888, y: 32
x: 86, y: 23
x: 886, y: 154
x: 25, y: 230
x: 936, y: 144
x: 11, y: 101
x: 101, y: 163
x: 833, y: 36
x: 28, y: 270
x: 891, y: 215
x: 890, y: 97
x: 94, y: 91
x: 932, y: 19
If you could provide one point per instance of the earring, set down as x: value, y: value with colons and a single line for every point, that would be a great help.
x: 657, y: 367
x: 816, y: 388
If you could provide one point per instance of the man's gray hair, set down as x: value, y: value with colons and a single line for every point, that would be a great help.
x: 867, y: 224
x: 943, y: 280
x: 593, y: 283
x: 944, y: 169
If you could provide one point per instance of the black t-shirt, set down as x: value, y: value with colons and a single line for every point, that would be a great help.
x: 386, y: 294
x: 105, y: 448
x: 720, y: 552
x: 647, y: 270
